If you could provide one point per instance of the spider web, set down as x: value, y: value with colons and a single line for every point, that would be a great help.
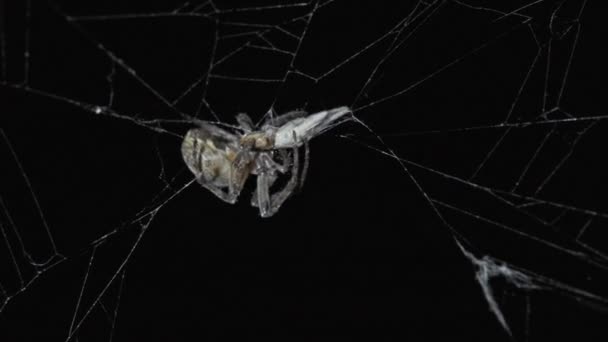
x: 473, y: 166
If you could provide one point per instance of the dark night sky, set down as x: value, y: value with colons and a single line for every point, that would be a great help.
x: 361, y: 251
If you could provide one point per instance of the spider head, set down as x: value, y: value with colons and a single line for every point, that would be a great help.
x: 258, y: 140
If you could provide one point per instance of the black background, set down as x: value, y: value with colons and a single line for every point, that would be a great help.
x: 360, y: 252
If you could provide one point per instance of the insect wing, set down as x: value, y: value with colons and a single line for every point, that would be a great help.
x: 308, y: 127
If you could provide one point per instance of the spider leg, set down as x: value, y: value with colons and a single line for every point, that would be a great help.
x: 305, y: 167
x: 268, y: 204
x: 269, y: 166
x: 262, y: 194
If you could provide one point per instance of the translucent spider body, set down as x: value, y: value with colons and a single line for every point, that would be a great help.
x: 222, y: 161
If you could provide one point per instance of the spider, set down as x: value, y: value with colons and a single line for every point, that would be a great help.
x: 222, y: 160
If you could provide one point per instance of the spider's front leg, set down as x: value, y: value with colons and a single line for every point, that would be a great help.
x: 273, y: 168
x: 270, y: 204
x: 306, y: 163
